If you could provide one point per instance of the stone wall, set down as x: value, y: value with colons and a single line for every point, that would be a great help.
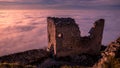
x: 93, y: 41
x: 70, y: 36
x: 64, y: 36
x: 51, y: 35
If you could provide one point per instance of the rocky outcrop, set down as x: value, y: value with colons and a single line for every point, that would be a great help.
x: 75, y: 60
x: 41, y: 59
x: 27, y: 57
x: 64, y: 38
x: 111, y: 53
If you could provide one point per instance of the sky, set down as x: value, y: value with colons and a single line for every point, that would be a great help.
x: 60, y: 4
x: 22, y: 30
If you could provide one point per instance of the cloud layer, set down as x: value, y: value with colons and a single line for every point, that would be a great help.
x: 59, y: 4
x: 24, y: 30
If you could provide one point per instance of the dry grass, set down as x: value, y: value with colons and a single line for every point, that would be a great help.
x: 14, y: 65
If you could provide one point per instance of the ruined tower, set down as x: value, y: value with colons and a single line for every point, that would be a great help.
x: 64, y: 37
x: 92, y: 43
x: 96, y: 40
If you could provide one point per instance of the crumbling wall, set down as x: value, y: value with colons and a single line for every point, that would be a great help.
x: 64, y: 36
x: 98, y: 35
x: 68, y: 42
x: 93, y: 41
x: 51, y: 35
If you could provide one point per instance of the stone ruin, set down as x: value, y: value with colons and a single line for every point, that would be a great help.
x: 64, y: 37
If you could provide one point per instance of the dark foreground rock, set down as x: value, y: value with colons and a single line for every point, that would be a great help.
x: 111, y: 56
x: 27, y: 57
x: 42, y: 59
x: 78, y: 60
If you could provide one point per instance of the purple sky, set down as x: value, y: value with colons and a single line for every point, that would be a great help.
x: 60, y: 4
x: 24, y: 30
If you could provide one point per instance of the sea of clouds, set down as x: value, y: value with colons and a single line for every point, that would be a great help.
x: 22, y: 30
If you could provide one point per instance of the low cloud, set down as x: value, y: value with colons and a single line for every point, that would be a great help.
x: 25, y: 30
x: 60, y: 4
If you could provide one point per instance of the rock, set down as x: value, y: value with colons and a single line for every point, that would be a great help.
x: 27, y: 57
x: 111, y: 53
x: 103, y: 47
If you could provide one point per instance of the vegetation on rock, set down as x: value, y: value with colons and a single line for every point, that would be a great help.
x: 111, y: 56
x: 15, y: 65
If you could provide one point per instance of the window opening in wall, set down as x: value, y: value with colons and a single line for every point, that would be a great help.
x: 60, y: 35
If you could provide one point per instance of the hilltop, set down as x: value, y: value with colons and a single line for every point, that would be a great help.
x: 27, y: 57
x: 42, y: 59
x: 67, y: 48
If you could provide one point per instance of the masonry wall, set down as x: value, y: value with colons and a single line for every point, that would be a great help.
x: 92, y: 44
x: 64, y: 36
x: 70, y: 37
x: 51, y: 35
x: 96, y: 41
